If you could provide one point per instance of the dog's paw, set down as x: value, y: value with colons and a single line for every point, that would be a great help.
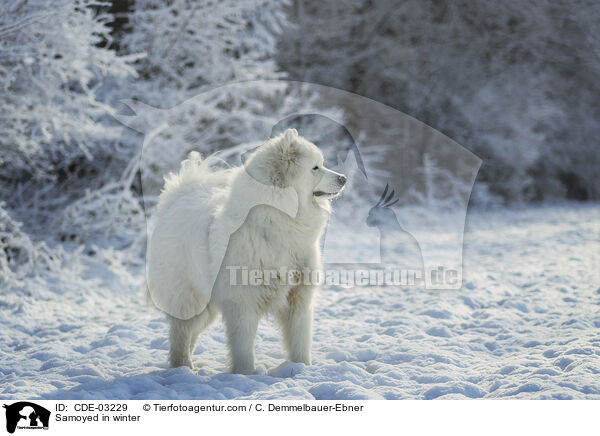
x: 287, y: 369
x: 176, y: 362
x: 244, y: 370
x: 260, y: 370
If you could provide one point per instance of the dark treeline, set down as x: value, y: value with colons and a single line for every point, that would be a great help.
x: 515, y: 82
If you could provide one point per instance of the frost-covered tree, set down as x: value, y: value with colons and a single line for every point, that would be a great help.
x: 55, y: 132
x: 50, y: 70
x: 190, y: 45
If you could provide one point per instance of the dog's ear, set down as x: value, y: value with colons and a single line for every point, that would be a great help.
x: 290, y: 135
x: 275, y: 162
x: 284, y: 159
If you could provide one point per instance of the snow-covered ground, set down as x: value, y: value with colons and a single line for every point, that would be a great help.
x: 524, y: 325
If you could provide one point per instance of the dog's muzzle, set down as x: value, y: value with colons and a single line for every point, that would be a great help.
x: 341, y: 181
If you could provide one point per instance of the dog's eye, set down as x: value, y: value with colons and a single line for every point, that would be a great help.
x: 315, y: 168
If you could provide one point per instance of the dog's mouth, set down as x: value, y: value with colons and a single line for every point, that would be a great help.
x: 327, y: 194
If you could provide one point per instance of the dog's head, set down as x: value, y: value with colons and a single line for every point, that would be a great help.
x: 289, y: 160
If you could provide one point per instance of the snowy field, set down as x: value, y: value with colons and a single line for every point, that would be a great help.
x: 525, y: 325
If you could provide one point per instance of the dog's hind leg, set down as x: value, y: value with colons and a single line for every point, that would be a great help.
x: 200, y: 322
x: 180, y: 336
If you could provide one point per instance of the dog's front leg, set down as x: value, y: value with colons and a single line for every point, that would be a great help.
x: 241, y: 325
x: 296, y: 324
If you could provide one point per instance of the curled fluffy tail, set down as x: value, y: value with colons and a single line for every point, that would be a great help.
x: 193, y: 170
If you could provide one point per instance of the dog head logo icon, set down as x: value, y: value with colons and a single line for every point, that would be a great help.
x: 26, y: 415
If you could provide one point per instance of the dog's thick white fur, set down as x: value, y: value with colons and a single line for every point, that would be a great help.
x: 280, y: 198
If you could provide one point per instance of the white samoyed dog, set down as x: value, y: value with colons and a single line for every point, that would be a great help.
x: 267, y: 215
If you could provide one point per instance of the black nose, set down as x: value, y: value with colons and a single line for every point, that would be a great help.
x: 342, y: 179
